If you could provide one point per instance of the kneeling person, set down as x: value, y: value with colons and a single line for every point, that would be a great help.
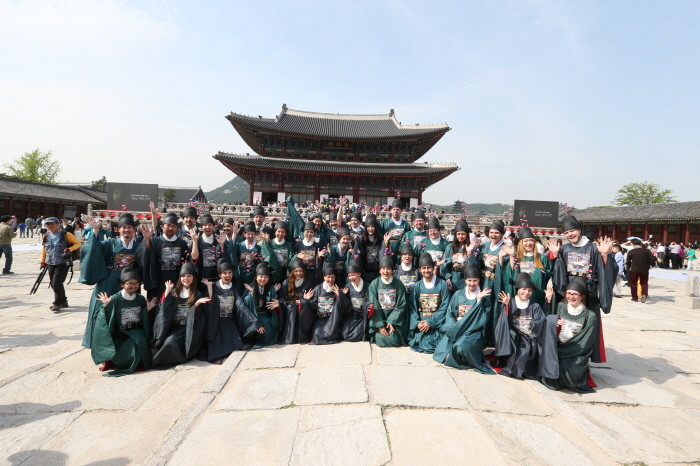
x: 389, y: 321
x: 428, y: 305
x: 328, y: 304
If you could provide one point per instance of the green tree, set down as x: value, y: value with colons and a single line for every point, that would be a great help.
x: 169, y: 195
x: 643, y: 193
x: 100, y: 185
x: 35, y: 166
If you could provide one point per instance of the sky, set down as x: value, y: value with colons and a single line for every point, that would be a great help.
x: 547, y: 100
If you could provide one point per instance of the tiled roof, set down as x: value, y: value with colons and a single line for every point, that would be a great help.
x: 347, y: 168
x: 642, y: 213
x: 15, y: 187
x: 338, y: 126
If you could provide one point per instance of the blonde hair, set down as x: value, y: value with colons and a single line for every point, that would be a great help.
x: 536, y: 255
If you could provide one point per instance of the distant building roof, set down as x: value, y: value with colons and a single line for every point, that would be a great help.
x: 199, y: 196
x: 675, y: 211
x: 28, y: 189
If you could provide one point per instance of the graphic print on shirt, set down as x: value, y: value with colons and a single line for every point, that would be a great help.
x: 325, y: 305
x: 209, y: 257
x: 578, y: 263
x: 396, y: 234
x: 435, y: 254
x: 246, y: 259
x: 408, y: 281
x: 429, y: 304
x: 309, y: 257
x: 372, y: 254
x: 569, y: 329
x: 523, y: 324
x: 170, y: 257
x: 226, y: 305
x: 489, y: 262
x: 463, y: 309
x: 131, y: 316
x: 282, y: 255
x: 387, y: 298
x: 340, y: 267
x: 357, y: 302
x: 527, y: 267
x: 458, y: 261
x: 180, y: 316
x: 123, y: 260
x: 418, y: 240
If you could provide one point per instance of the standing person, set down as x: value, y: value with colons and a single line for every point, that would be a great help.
x: 427, y: 306
x: 674, y: 255
x: 307, y: 249
x: 488, y: 258
x: 660, y: 255
x: 207, y: 249
x: 66, y: 225
x: 639, y: 261
x: 22, y: 226
x: 261, y: 230
x: 417, y: 233
x: 244, y: 256
x: 690, y: 257
x: 394, y: 229
x: 189, y: 225
x: 31, y: 224
x: 371, y: 249
x: 526, y: 258
x: 167, y: 254
x: 340, y: 256
x: 42, y: 230
x: 282, y: 249
x: 435, y: 244
x: 620, y: 277
x: 456, y: 257
x: 58, y: 246
x: 7, y: 234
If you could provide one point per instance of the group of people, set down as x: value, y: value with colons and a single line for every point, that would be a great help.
x: 210, y: 291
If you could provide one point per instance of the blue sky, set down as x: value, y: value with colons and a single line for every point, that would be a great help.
x: 561, y: 101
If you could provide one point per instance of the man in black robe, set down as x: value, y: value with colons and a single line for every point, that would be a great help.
x: 168, y: 252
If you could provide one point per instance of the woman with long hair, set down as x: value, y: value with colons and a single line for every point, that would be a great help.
x: 292, y: 309
x: 525, y: 258
x: 371, y: 248
x: 457, y: 256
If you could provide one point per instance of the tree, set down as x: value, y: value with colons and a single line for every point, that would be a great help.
x: 100, y: 185
x: 169, y: 195
x: 643, y: 193
x: 35, y: 166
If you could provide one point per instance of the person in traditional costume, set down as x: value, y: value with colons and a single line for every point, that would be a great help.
x: 355, y: 321
x: 456, y: 256
x: 229, y: 320
x: 488, y: 260
x: 102, y: 260
x: 464, y: 331
x: 576, y: 329
x: 525, y: 258
x: 388, y: 323
x: 417, y: 233
x: 283, y: 251
x: 261, y: 230
x: 180, y: 323
x: 394, y: 229
x: 329, y: 305
x: 230, y: 229
x: 293, y: 309
x: 587, y: 259
x: 189, y: 225
x: 427, y: 306
x: 297, y: 226
x: 168, y: 252
x: 340, y: 255
x: 406, y: 270
x: 122, y: 331
x: 207, y: 249
x: 524, y: 336
x: 245, y: 256
x: 434, y: 244
x: 261, y: 299
x: 356, y: 229
x: 371, y: 247
x: 308, y: 251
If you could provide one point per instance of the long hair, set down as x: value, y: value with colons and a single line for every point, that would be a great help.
x: 456, y: 245
x: 367, y: 242
x: 536, y: 255
x: 291, y: 287
x: 192, y: 298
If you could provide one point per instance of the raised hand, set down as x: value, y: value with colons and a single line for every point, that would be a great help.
x: 308, y: 294
x: 221, y: 239
x: 604, y: 244
x: 202, y: 301
x: 504, y: 298
x: 169, y: 285
x: 278, y: 286
x: 486, y: 292
x: 150, y: 305
x: 553, y: 246
x: 95, y: 224
x: 248, y: 287
x: 336, y: 290
x: 194, y: 235
x: 146, y: 231
x: 152, y: 206
x: 104, y: 297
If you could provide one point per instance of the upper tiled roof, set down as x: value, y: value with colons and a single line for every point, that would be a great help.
x: 323, y: 166
x: 15, y: 187
x: 338, y: 126
x: 641, y: 213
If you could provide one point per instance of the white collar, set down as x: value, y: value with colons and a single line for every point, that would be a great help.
x: 431, y: 284
x: 582, y: 242
x: 225, y: 286
x: 255, y: 243
x: 387, y: 282
x: 326, y: 288
x: 184, y: 293
x: 521, y: 304
x: 435, y: 241
x: 357, y: 288
x: 529, y: 254
x: 172, y: 238
x: 418, y: 231
x: 278, y: 242
x: 574, y: 311
x: 305, y: 242
x: 405, y: 267
x: 130, y: 245
x: 498, y: 245
x: 474, y: 295
x: 207, y: 239
x: 395, y: 222
x: 127, y: 296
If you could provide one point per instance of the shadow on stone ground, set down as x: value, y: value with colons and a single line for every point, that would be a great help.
x: 635, y: 367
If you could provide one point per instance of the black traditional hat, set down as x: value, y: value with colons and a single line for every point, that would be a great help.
x: 296, y: 263
x: 343, y: 232
x: 498, y: 225
x: 258, y: 210
x: 206, y: 218
x: 472, y: 271
x: 426, y: 260
x: 129, y: 273
x: 310, y: 226
x: 433, y: 223
x: 462, y: 225
x: 113, y: 224
x: 578, y: 284
x: 315, y: 215
x: 249, y: 227
x: 523, y: 280
x: 328, y: 269
x: 189, y: 212
x: 569, y: 222
x: 188, y: 268
x: 525, y: 232
x: 407, y: 249
x: 397, y: 203
x: 371, y: 220
x: 357, y: 215
x: 126, y: 219
x: 263, y: 269
x: 386, y: 261
x: 354, y: 267
x: 419, y: 214
x: 223, y: 265
x: 283, y: 225
x: 171, y: 219
x: 230, y: 221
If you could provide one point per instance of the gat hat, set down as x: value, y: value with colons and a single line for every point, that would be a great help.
x: 525, y: 232
x: 498, y: 225
x: 570, y: 222
x: 296, y: 263
x: 309, y: 226
x: 523, y: 280
x: 433, y: 223
x: 397, y: 203
x: 354, y: 267
x: 426, y: 260
x: 357, y: 215
x: 472, y: 271
x: 283, y: 225
x: 462, y: 225
x: 419, y: 214
x: 206, y: 218
x: 263, y: 269
x: 371, y: 220
x: 258, y: 210
x: 386, y: 261
x: 126, y: 219
x: 223, y: 264
x: 188, y: 268
x: 577, y: 284
x: 343, y: 232
x: 230, y: 221
x: 129, y: 273
x: 328, y: 269
x: 171, y: 219
x: 249, y: 227
x: 189, y: 212
x: 407, y: 249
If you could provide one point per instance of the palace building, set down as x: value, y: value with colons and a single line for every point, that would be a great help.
x: 313, y: 156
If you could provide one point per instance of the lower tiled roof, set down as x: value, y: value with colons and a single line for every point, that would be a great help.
x: 13, y: 187
x: 678, y: 211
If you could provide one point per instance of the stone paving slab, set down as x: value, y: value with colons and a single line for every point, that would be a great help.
x: 338, y: 354
x: 331, y: 384
x: 22, y: 436
x: 271, y: 356
x: 401, y: 357
x: 270, y: 389
x: 429, y: 387
x: 179, y: 390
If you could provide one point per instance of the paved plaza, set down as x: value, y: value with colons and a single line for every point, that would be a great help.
x: 351, y: 403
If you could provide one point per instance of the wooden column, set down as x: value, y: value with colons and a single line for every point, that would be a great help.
x: 629, y: 230
x: 250, y: 192
x: 686, y: 233
x: 664, y: 234
x: 646, y: 231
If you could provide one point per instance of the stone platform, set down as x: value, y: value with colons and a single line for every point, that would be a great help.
x: 351, y: 403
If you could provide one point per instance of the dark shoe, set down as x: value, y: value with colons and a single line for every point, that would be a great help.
x: 8, y: 273
x: 55, y: 308
x: 65, y: 304
x: 643, y: 299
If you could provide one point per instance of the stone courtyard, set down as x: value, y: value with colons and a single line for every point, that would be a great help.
x: 351, y: 403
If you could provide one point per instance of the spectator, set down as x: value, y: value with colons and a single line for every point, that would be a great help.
x: 691, y: 258
x: 619, y: 278
x: 30, y: 226
x: 21, y: 227
x: 639, y: 261
x: 7, y: 233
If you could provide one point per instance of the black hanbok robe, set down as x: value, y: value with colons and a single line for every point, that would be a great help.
x: 166, y: 259
x: 355, y: 325
x: 324, y: 325
x: 291, y: 313
x: 178, y: 331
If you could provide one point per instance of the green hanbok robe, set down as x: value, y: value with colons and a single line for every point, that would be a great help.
x: 414, y: 237
x: 283, y: 254
x: 430, y: 305
x: 487, y: 260
x: 539, y: 276
x: 453, y: 267
x: 389, y: 300
x: 122, y: 334
x: 269, y: 318
x: 397, y: 230
x: 436, y: 249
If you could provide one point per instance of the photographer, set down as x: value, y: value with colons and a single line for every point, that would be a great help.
x: 56, y: 255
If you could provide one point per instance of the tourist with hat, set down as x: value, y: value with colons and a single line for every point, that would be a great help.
x: 341, y: 254
x: 261, y: 230
x: 7, y: 234
x: 56, y: 253
x: 229, y: 320
x: 328, y: 305
x: 180, y: 323
x: 355, y: 321
x: 371, y: 249
x: 298, y: 226
x: 230, y: 229
x: 394, y: 229
x: 488, y: 259
x: 282, y: 249
x: 526, y: 258
x: 189, y: 225
x: 261, y: 299
x: 308, y: 250
x: 428, y: 305
x: 167, y: 254
x: 417, y: 233
x: 457, y: 255
x: 576, y: 329
x: 464, y: 331
x: 293, y: 310
x: 102, y: 259
x: 524, y: 336
x: 356, y: 227
x: 587, y: 259
x: 207, y: 248
x: 244, y: 256
x: 434, y: 244
x: 406, y: 270
x: 389, y: 320
x: 122, y: 333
